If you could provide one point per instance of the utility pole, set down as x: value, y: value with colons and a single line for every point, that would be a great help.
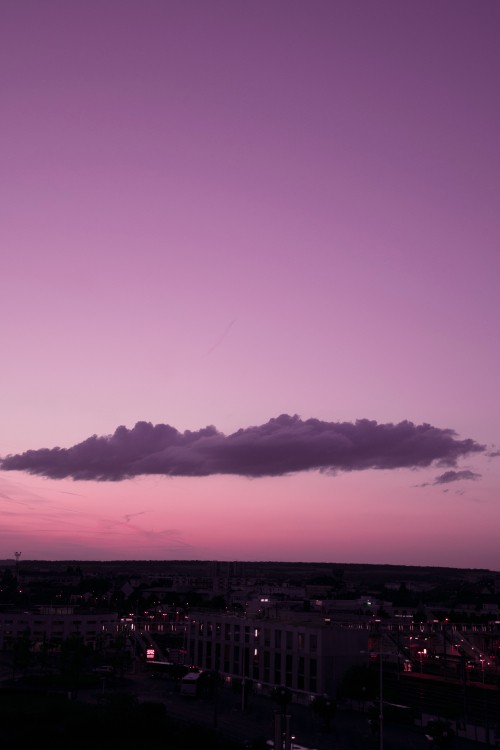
x: 381, y: 716
x: 282, y: 718
x: 380, y: 655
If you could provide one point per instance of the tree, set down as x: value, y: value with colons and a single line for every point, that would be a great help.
x: 324, y: 707
x: 74, y: 655
x: 120, y: 655
x: 282, y: 696
x: 359, y: 683
x: 23, y: 655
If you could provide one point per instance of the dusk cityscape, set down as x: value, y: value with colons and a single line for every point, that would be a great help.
x: 249, y: 293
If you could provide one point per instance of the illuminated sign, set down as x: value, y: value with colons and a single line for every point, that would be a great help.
x: 150, y: 653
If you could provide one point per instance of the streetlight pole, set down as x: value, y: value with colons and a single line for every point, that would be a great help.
x: 485, y: 704
x: 381, y: 708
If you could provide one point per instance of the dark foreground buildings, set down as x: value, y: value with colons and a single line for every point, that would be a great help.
x: 432, y: 635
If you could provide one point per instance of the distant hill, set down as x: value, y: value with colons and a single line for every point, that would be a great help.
x: 353, y: 574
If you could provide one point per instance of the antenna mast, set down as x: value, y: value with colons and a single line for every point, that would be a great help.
x: 17, y: 555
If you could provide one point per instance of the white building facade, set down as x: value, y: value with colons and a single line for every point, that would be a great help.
x: 308, y: 656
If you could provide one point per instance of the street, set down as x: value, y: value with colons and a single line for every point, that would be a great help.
x: 349, y: 730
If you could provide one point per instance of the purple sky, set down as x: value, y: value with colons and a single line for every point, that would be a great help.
x: 216, y: 213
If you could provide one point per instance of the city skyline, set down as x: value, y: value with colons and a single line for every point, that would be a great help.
x: 249, y: 281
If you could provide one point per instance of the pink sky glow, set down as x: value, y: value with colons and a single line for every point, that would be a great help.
x: 214, y: 213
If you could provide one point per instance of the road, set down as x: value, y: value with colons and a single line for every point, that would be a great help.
x: 349, y: 730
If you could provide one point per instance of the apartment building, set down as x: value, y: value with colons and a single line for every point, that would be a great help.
x: 308, y: 655
x: 55, y: 624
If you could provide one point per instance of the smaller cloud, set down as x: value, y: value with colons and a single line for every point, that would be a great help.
x: 455, y: 476
x: 493, y: 454
x: 128, y: 516
x: 452, y: 476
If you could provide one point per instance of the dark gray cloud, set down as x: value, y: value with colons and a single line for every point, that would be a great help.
x: 452, y: 476
x: 284, y: 445
x: 455, y: 476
